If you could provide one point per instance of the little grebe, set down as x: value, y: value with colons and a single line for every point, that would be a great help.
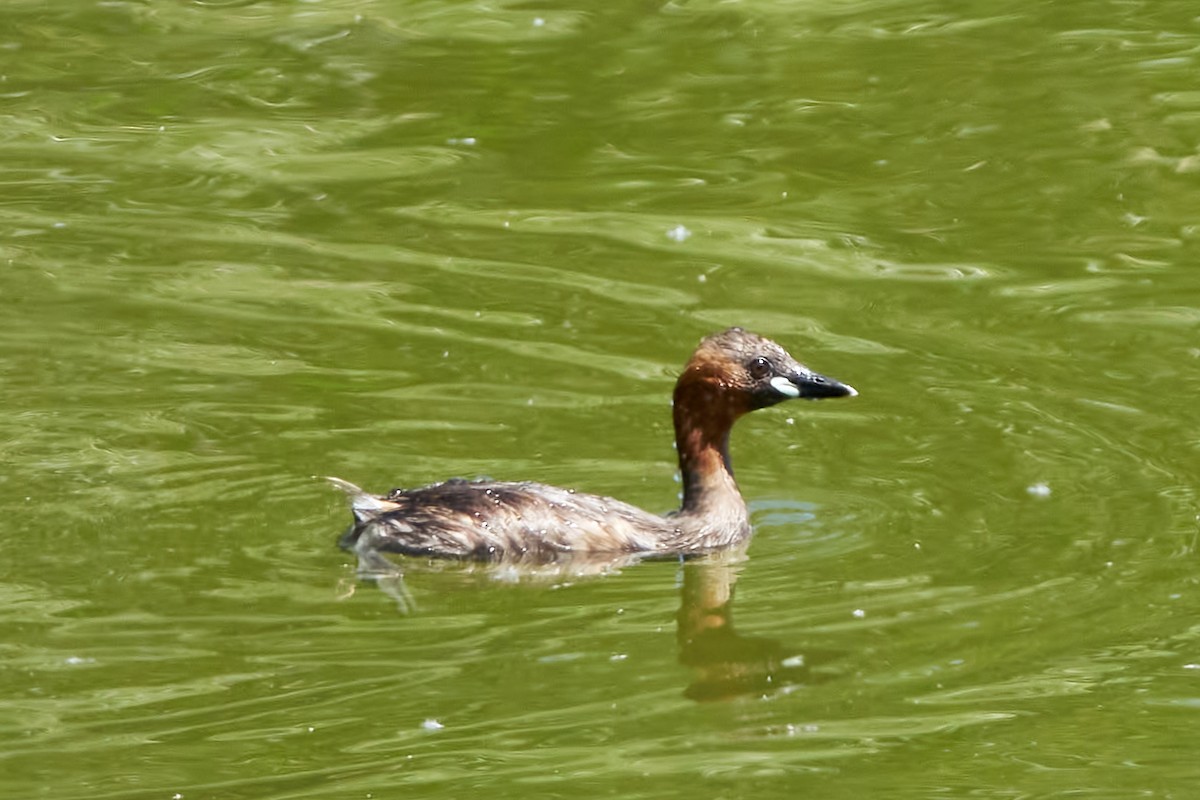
x: 730, y: 373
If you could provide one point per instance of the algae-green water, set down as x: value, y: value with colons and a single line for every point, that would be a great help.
x: 243, y: 244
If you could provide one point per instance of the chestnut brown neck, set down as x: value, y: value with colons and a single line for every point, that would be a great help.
x: 704, y: 414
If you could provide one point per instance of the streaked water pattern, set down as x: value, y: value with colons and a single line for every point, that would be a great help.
x: 245, y: 244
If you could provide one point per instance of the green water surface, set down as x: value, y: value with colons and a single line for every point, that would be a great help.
x: 247, y: 243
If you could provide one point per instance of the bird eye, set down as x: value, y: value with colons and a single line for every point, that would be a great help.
x: 760, y: 368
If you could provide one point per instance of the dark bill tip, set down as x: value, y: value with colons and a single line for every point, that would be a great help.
x: 813, y: 386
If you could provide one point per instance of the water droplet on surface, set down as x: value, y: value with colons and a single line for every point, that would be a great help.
x: 678, y: 234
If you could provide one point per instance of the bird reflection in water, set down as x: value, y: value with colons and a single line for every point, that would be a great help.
x: 725, y: 663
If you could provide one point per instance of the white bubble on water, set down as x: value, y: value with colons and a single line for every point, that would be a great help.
x: 678, y: 234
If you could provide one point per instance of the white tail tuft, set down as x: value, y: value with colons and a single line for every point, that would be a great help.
x: 366, y: 506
